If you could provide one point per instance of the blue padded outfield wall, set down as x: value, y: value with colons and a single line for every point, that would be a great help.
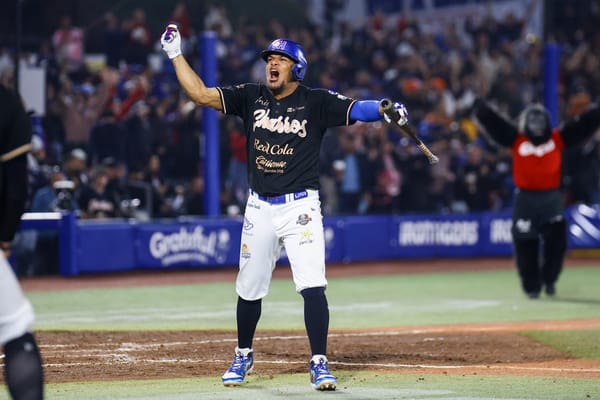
x: 91, y: 246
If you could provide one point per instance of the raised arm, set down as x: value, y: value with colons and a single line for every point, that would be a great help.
x: 188, y: 79
x: 495, y: 125
x: 576, y: 130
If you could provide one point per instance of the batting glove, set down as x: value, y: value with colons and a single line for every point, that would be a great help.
x: 402, y: 115
x: 170, y: 41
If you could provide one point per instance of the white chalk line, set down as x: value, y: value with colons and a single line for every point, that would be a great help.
x: 122, y: 354
x: 132, y: 360
x: 127, y: 346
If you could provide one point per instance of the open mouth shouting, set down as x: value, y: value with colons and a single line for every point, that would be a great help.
x: 273, y: 75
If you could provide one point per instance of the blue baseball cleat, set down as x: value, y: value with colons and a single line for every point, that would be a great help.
x: 243, y: 362
x: 320, y: 377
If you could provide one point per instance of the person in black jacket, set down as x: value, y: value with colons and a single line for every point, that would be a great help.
x: 538, y: 224
x: 22, y: 361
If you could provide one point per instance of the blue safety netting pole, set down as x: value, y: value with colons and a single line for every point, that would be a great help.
x: 210, y: 125
x: 551, y: 62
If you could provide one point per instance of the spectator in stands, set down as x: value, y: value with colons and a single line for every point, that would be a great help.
x: 138, y: 137
x: 68, y: 42
x: 186, y: 140
x: 176, y: 200
x: 356, y: 182
x: 139, y: 39
x: 388, y: 182
x: 160, y: 125
x: 475, y: 180
x: 107, y: 139
x: 161, y: 189
x: 93, y: 199
x: 82, y: 105
x: 194, y: 201
x: 113, y: 40
x: 217, y: 19
x: 117, y: 176
x: 238, y: 171
x: 140, y: 200
x: 55, y: 195
x: 417, y: 178
x: 53, y: 126
x: 37, y: 165
x: 443, y: 177
x: 75, y: 167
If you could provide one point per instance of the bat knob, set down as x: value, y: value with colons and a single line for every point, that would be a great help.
x: 433, y: 159
x: 385, y: 104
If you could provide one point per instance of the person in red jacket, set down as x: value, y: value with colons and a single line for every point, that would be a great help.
x: 538, y: 224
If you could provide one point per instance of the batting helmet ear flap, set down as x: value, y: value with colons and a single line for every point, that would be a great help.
x: 298, y: 71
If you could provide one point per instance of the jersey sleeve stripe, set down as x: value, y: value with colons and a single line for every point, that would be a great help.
x: 222, y: 100
x: 348, y: 112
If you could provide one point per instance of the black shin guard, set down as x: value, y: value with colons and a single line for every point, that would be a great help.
x: 316, y: 319
x: 247, y: 313
x: 554, y: 247
x: 528, y: 265
x: 23, y: 368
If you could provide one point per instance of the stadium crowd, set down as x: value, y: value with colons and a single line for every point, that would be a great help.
x: 124, y: 141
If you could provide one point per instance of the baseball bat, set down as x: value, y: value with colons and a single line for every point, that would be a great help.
x: 388, y: 108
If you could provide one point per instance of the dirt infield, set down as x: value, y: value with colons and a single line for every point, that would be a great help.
x: 466, y: 349
x: 490, y: 349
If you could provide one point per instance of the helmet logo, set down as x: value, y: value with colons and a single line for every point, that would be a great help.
x: 278, y: 44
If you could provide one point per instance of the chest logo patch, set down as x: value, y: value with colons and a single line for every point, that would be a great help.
x: 280, y: 124
x: 529, y: 149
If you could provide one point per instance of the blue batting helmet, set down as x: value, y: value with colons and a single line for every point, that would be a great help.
x: 290, y: 49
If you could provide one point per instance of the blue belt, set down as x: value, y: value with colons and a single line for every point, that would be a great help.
x: 281, y: 199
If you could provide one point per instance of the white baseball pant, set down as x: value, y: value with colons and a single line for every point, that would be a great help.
x: 293, y: 220
x: 16, y: 313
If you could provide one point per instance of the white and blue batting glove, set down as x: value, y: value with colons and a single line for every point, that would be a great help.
x: 402, y: 115
x: 170, y: 41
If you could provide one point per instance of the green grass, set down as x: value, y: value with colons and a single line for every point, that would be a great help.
x: 580, y: 344
x: 352, y: 385
x: 358, y: 302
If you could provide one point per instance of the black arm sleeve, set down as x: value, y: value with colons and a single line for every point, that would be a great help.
x: 501, y: 130
x: 578, y: 129
x: 13, y: 195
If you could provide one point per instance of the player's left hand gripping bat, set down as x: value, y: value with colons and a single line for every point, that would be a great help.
x: 388, y: 108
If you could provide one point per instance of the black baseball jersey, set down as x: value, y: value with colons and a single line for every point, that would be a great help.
x: 284, y: 136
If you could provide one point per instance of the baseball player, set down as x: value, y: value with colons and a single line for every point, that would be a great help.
x: 538, y: 224
x: 22, y: 361
x: 284, y: 123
